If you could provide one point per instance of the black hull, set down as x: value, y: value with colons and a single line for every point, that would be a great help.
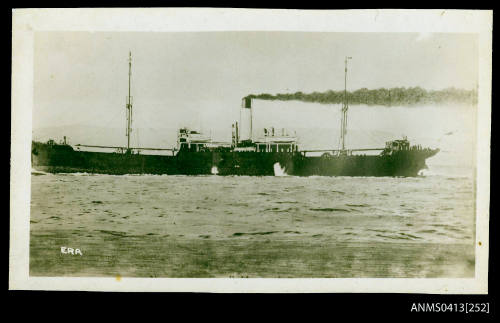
x: 63, y: 159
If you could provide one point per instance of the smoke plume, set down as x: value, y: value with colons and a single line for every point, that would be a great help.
x: 395, y: 96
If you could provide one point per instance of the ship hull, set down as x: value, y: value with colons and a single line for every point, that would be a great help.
x: 63, y: 159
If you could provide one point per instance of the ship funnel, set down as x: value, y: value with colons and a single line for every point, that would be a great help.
x: 245, y: 131
x: 248, y: 103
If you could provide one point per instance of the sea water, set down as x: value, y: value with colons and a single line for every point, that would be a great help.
x: 434, y: 208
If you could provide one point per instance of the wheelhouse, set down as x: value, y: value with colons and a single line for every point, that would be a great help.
x: 190, y: 140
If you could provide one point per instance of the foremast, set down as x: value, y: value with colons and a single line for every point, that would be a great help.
x: 129, y: 104
x: 345, y: 107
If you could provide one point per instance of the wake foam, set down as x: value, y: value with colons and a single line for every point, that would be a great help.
x: 278, y: 171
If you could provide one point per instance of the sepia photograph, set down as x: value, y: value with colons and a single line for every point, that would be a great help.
x: 240, y: 153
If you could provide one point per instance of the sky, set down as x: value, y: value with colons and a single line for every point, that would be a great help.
x: 197, y: 79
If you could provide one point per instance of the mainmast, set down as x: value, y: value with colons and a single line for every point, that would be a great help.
x: 129, y: 103
x: 345, y: 107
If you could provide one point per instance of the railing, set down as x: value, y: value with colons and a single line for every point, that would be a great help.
x: 339, y: 150
x: 116, y: 147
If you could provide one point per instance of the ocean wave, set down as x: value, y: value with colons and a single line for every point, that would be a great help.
x: 220, y: 206
x: 81, y: 174
x: 239, y: 234
x: 401, y: 236
x: 39, y: 172
x: 330, y: 209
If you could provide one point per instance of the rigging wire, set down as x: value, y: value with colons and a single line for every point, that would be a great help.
x: 99, y: 132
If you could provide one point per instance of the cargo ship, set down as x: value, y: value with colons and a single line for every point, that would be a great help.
x: 196, y: 154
